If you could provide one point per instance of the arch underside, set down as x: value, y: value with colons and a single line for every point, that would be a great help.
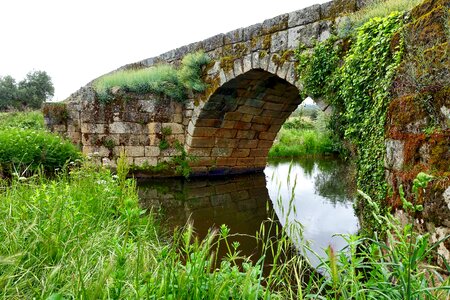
x: 236, y: 127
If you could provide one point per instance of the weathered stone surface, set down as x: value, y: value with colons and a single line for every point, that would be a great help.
x: 305, y: 35
x: 394, y: 154
x: 304, y: 16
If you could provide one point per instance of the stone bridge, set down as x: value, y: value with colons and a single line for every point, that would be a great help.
x: 252, y: 90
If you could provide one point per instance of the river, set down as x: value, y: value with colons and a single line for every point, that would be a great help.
x: 317, y: 193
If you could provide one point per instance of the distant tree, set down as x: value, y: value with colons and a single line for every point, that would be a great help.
x: 28, y: 93
x: 35, y: 89
x: 8, y: 92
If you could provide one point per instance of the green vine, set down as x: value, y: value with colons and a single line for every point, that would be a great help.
x: 357, y: 85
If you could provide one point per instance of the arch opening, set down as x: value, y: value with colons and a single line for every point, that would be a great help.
x: 237, y: 126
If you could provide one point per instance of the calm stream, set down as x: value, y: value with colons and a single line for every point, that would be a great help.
x: 316, y: 193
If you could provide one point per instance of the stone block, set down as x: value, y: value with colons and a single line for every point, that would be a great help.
x: 249, y: 110
x: 226, y: 161
x: 247, y: 63
x: 240, y: 153
x: 275, y: 113
x: 222, y: 152
x: 213, y: 42
x: 175, y: 128
x: 259, y: 127
x: 233, y: 116
x: 394, y: 154
x: 226, y: 133
x: 207, y: 123
x: 154, y: 128
x: 151, y: 151
x: 262, y: 120
x: 224, y: 142
x: 228, y: 124
x: 265, y: 144
x: 135, y: 151
x: 220, y: 200
x: 177, y: 118
x: 96, y: 151
x: 246, y: 161
x: 267, y: 136
x: 200, y: 152
x: 260, y: 152
x: 274, y: 128
x: 274, y: 106
x: 255, y: 60
x: 279, y: 41
x: 246, y: 134
x: 260, y: 161
x: 248, y: 144
x: 93, y: 128
x: 242, y: 125
x: 304, y: 16
x: 202, y: 142
x: 238, y: 67
x: 141, y: 161
x: 233, y: 37
x: 246, y: 118
x: 282, y: 71
x: 305, y: 34
x: 272, y: 68
x: 254, y: 103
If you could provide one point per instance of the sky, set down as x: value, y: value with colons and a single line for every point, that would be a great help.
x: 77, y: 41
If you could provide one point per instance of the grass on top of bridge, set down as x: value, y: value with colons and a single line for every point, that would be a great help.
x: 161, y: 79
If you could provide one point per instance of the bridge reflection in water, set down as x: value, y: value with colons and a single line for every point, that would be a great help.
x: 317, y: 193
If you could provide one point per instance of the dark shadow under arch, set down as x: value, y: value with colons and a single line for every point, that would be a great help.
x: 238, y: 124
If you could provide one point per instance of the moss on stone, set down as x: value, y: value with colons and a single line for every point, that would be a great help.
x: 57, y: 112
x: 439, y: 144
x: 429, y: 29
x: 227, y: 63
x: 427, y: 6
x: 266, y: 41
x: 404, y: 111
x: 339, y: 8
x: 279, y: 60
x: 262, y: 54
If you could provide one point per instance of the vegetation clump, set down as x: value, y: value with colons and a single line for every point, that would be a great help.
x: 26, y: 147
x: 29, y: 93
x: 357, y: 85
x: 161, y: 79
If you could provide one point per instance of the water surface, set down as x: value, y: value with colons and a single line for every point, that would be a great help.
x: 316, y: 193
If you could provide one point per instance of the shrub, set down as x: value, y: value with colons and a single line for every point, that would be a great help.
x: 26, y: 150
x: 161, y: 79
x: 376, y: 8
x: 24, y: 120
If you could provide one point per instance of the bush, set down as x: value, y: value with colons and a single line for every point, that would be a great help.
x: 376, y: 8
x: 160, y: 79
x: 26, y: 150
x: 24, y: 120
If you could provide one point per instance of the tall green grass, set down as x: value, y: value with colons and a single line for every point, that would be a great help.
x: 299, y: 137
x: 26, y: 151
x: 83, y: 235
x: 161, y: 79
x: 25, y: 120
x: 375, y: 8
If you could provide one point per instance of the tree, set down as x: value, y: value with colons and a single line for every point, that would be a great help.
x: 35, y: 89
x: 8, y: 92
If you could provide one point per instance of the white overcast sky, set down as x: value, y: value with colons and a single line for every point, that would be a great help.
x: 77, y: 41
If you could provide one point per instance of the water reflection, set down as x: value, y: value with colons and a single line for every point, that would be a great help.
x: 315, y: 195
x: 312, y: 192
x: 241, y: 202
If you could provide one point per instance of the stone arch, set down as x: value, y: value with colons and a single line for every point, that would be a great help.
x: 234, y: 129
